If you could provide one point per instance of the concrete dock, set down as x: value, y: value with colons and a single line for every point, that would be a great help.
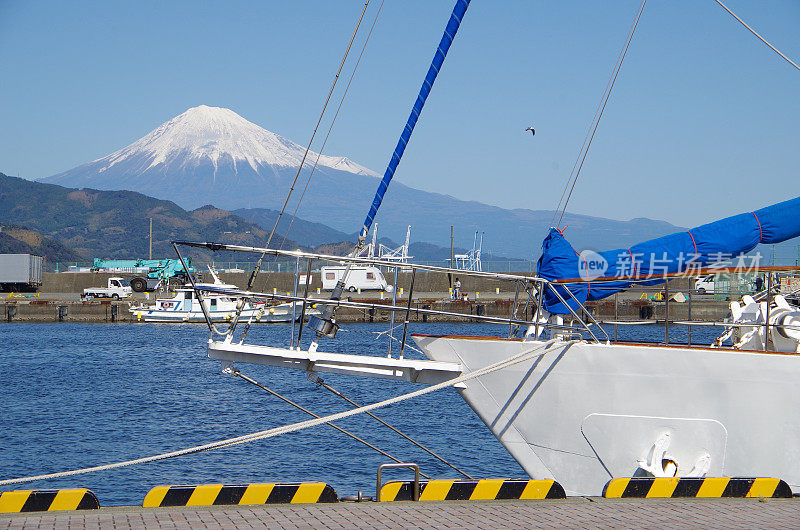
x: 59, y: 301
x: 576, y: 512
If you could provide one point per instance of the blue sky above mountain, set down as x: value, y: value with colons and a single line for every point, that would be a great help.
x: 702, y: 122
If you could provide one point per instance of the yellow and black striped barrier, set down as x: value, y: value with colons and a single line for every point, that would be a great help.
x: 676, y: 487
x: 472, y: 490
x: 47, y: 500
x: 239, y: 494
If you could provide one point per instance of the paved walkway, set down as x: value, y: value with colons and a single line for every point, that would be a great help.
x: 575, y: 512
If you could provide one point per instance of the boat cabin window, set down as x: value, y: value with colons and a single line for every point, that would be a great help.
x: 370, y: 275
x: 213, y: 303
x: 330, y: 276
x: 189, y: 295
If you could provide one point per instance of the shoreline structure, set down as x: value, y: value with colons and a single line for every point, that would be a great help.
x: 59, y: 300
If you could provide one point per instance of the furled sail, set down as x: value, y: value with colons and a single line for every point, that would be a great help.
x: 593, y: 275
x: 438, y: 59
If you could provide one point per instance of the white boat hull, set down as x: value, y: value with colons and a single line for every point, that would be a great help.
x: 154, y: 315
x: 281, y: 313
x: 585, y: 413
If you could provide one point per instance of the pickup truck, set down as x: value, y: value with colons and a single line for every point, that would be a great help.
x: 117, y: 288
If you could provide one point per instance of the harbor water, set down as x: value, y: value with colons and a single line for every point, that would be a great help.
x: 81, y: 395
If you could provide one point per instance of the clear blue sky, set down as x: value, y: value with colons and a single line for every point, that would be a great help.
x: 704, y: 121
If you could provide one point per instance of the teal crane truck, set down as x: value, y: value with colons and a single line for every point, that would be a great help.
x: 152, y: 272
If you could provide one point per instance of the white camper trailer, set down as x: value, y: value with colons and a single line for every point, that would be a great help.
x: 359, y: 277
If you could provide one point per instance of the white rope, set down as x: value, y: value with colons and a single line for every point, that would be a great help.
x: 269, y: 433
x: 754, y: 32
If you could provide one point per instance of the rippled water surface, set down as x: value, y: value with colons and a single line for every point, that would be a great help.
x: 79, y: 395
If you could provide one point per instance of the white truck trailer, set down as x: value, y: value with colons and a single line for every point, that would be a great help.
x: 360, y: 277
x: 20, y: 272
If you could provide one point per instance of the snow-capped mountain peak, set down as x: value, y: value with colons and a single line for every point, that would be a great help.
x: 215, y: 135
x: 212, y: 155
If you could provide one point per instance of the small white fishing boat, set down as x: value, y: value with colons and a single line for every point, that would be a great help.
x: 185, y: 307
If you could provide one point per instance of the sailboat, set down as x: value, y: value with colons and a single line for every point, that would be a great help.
x: 567, y: 401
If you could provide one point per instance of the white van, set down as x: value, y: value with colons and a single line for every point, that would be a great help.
x: 360, y: 277
x: 705, y: 284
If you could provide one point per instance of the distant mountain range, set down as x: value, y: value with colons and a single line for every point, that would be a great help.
x: 20, y: 240
x: 68, y: 225
x: 116, y: 224
x: 211, y: 155
x: 308, y: 233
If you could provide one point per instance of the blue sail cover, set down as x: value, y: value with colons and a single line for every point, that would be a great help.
x: 648, y: 263
x: 438, y: 59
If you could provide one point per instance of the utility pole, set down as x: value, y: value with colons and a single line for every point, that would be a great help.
x: 452, y: 262
x: 151, y: 238
x: 452, y: 256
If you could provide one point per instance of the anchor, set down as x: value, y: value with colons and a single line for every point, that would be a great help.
x: 660, y: 463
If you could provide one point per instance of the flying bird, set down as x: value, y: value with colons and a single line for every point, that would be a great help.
x: 532, y: 130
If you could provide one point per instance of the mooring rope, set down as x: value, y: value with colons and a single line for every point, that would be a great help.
x: 539, y: 349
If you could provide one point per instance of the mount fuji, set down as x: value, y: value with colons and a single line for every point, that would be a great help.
x: 212, y: 155
x: 200, y: 155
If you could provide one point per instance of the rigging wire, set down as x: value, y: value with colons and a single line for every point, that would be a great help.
x: 308, y: 147
x: 754, y: 32
x: 599, y: 115
x: 320, y: 382
x: 607, y: 93
x: 330, y: 129
x: 322, y: 148
x: 583, y: 146
x: 257, y: 268
x: 240, y: 375
x: 539, y: 349
x: 379, y: 334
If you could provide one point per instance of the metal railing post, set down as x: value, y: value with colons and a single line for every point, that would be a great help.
x: 408, y: 311
x: 513, y: 311
x: 539, y: 300
x: 574, y: 314
x: 409, y: 465
x: 294, y: 304
x: 391, y: 317
x: 303, y: 307
x: 666, y: 312
x: 690, y: 317
x: 766, y: 319
x: 199, y: 296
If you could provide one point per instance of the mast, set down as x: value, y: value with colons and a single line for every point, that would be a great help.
x: 324, y: 324
x: 436, y: 65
